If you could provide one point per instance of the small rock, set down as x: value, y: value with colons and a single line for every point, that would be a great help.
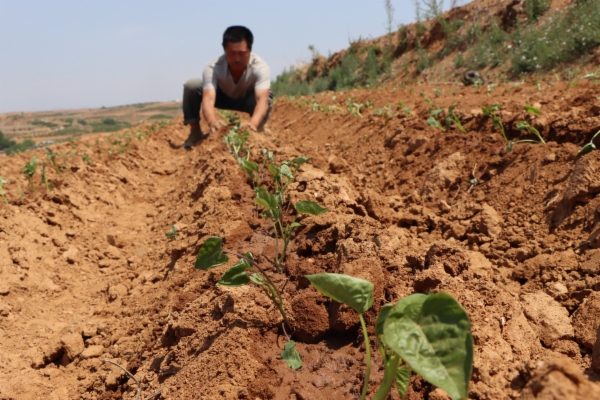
x: 72, y: 344
x: 71, y: 255
x: 92, y: 352
x: 550, y: 157
x: 415, y: 142
x: 4, y: 289
x: 559, y: 379
x: 5, y: 309
x: 550, y: 320
x: 586, y: 321
x: 337, y: 164
x: 116, y: 291
x: 89, y: 330
x: 113, y: 253
x: 592, y: 265
x: 444, y: 207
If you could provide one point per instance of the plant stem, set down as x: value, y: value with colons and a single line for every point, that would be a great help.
x: 275, y: 294
x: 368, y: 354
x: 277, y: 262
x: 389, y: 377
x: 3, y: 197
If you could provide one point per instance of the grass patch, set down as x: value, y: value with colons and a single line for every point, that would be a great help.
x: 160, y: 116
x: 109, y: 125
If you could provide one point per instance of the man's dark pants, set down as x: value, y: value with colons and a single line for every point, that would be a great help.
x: 192, y: 101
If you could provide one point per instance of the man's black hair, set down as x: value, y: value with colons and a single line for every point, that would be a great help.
x: 236, y: 34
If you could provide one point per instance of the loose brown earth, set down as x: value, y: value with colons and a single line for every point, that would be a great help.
x: 86, y: 271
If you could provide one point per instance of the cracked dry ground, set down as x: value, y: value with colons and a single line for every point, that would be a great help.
x: 87, y: 273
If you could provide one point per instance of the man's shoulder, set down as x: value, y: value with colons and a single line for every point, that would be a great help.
x: 257, y: 61
x: 217, y: 61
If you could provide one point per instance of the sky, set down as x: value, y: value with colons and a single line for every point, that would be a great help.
x: 65, y: 54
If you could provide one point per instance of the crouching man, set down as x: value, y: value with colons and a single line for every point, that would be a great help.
x: 238, y: 80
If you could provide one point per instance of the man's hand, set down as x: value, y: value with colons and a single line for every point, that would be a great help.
x: 248, y: 126
x: 215, y: 126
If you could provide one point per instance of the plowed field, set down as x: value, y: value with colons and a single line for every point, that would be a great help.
x: 87, y: 273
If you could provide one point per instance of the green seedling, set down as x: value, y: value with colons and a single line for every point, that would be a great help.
x: 496, y: 121
x: 273, y: 210
x: 231, y: 118
x: 386, y: 112
x: 172, y: 234
x: 51, y: 156
x: 354, y: 108
x: 86, y: 158
x: 3, y: 182
x: 593, y: 76
x: 29, y: 171
x: 245, y: 271
x: 432, y: 120
x: 532, y: 110
x: 429, y: 334
x: 453, y: 118
x: 524, y: 125
x: 401, y: 107
x: 45, y: 179
x: 437, y: 92
x: 590, y: 146
x: 491, y: 88
x: 236, y: 140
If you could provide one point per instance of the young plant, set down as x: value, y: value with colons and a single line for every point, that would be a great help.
x: 29, y: 171
x: 585, y: 149
x: 430, y: 333
x: 51, y: 156
x: 453, y: 118
x: 236, y: 140
x: 386, y: 112
x: 355, y: 293
x: 2, y: 182
x: 401, y: 107
x: 496, y: 121
x: 273, y: 209
x: 45, y: 179
x: 432, y: 120
x: 524, y: 125
x: 354, y: 108
x: 172, y: 234
x: 245, y: 271
x: 86, y: 158
x: 532, y: 110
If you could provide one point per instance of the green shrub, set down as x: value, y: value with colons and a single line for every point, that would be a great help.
x: 344, y: 76
x: 489, y: 50
x: 563, y: 37
x: 5, y: 143
x: 536, y: 8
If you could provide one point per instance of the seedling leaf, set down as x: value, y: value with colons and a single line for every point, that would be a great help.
x: 257, y: 278
x: 587, y: 148
x: 236, y: 275
x: 354, y: 292
x: 309, y: 207
x: 211, y: 254
x: 402, y: 380
x: 410, y: 305
x: 265, y: 199
x: 383, y: 314
x: 290, y: 355
x: 437, y: 345
x: 286, y: 171
x: 531, y: 109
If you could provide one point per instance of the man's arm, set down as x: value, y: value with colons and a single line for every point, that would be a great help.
x: 208, y: 107
x: 262, y: 107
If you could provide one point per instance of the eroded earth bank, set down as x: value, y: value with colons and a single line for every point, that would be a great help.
x: 87, y: 273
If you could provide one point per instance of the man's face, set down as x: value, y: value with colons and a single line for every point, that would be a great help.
x: 237, y: 55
